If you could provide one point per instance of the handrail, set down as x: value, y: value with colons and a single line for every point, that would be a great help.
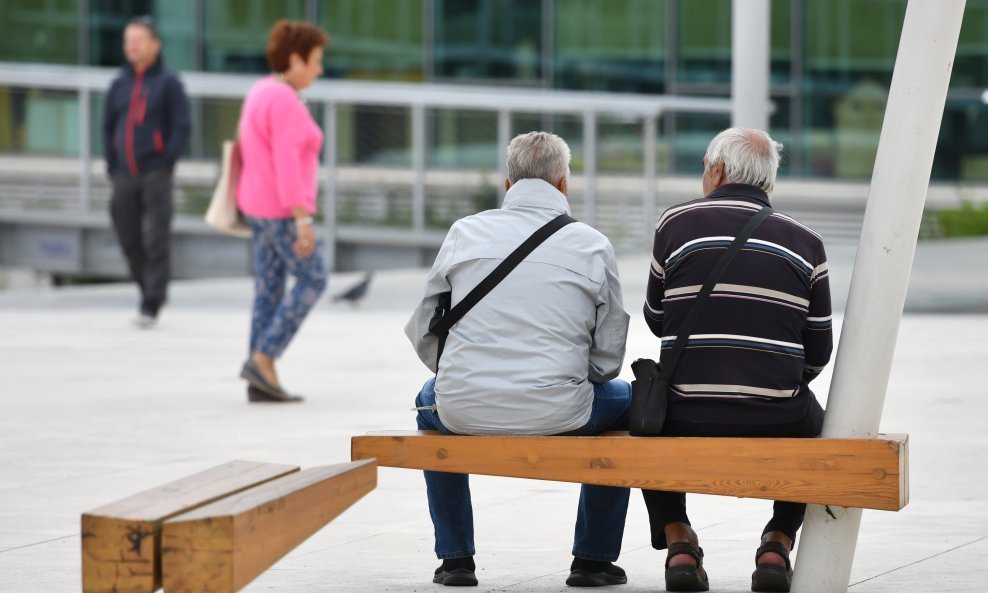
x: 451, y: 96
x: 643, y: 110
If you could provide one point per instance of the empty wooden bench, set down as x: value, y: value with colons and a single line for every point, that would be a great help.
x: 121, y: 541
x: 859, y: 473
x: 216, y: 530
x: 221, y: 547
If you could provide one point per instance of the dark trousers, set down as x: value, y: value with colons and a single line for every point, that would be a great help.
x: 141, y: 209
x: 670, y: 507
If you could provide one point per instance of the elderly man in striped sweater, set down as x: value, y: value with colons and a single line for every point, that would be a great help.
x: 763, y: 335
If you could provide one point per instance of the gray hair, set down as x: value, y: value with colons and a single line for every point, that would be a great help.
x: 749, y: 156
x: 538, y: 155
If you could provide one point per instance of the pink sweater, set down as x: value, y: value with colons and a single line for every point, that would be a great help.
x: 280, y: 145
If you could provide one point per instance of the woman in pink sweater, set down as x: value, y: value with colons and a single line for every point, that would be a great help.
x: 280, y: 145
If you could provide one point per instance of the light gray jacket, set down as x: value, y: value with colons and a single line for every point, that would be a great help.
x: 523, y: 359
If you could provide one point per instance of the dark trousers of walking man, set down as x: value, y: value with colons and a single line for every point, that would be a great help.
x: 141, y: 209
x: 145, y: 129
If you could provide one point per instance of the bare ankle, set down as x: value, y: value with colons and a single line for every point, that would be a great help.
x: 681, y: 533
x: 265, y: 364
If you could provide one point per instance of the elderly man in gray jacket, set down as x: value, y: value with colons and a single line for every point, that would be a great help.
x: 537, y: 355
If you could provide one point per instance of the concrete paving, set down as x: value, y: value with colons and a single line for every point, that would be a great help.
x: 94, y: 409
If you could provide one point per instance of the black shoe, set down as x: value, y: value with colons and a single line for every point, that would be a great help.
x: 255, y: 395
x: 594, y: 573
x: 253, y: 376
x: 456, y: 572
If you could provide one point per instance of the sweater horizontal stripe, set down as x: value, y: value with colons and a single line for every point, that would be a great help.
x: 766, y: 329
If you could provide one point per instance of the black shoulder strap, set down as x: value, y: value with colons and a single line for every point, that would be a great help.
x: 708, y: 286
x: 442, y: 326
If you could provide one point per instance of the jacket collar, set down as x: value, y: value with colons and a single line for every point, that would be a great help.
x: 535, y: 193
x: 152, y: 68
x: 740, y: 190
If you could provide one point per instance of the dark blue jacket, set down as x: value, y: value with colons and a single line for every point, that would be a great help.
x: 145, y: 120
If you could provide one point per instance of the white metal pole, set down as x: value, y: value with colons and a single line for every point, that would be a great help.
x: 649, y: 130
x: 881, y: 270
x: 419, y: 147
x: 503, y: 138
x: 590, y: 167
x: 330, y: 151
x: 85, y: 150
x: 750, y: 41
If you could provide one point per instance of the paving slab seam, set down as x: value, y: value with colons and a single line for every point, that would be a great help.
x: 920, y: 561
x: 47, y: 541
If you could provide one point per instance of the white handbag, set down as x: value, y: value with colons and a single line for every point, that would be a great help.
x: 223, y: 214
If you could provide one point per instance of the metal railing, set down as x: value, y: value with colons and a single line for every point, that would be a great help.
x: 641, y: 110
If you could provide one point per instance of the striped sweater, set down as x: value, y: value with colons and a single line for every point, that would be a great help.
x: 765, y: 331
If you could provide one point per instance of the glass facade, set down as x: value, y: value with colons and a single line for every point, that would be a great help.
x: 831, y: 64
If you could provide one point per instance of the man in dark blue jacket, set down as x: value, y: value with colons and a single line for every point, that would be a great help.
x: 145, y: 129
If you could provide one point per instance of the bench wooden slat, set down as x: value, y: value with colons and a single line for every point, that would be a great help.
x: 861, y: 473
x: 221, y: 547
x: 121, y: 540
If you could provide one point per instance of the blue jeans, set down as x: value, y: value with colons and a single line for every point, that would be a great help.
x: 602, y: 510
x: 277, y: 317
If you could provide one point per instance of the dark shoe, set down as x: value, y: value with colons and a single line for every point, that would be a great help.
x: 456, y: 572
x: 255, y: 395
x: 252, y: 375
x: 594, y: 573
x: 686, y: 578
x: 772, y: 578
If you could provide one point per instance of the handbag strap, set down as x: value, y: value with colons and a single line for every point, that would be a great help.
x: 708, y: 287
x: 442, y: 327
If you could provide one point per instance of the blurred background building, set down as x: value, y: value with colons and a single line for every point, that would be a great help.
x: 405, y: 168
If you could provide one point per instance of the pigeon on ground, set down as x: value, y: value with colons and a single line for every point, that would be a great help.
x: 355, y: 293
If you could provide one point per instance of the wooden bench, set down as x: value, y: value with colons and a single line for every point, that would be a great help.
x: 859, y: 473
x: 221, y: 547
x: 121, y: 541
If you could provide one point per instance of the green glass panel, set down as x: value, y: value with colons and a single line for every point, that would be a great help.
x: 781, y: 42
x: 610, y: 45
x: 236, y: 32
x: 850, y: 48
x: 374, y: 39
x: 35, y: 121
x: 971, y: 64
x: 463, y: 139
x: 39, y: 31
x: 704, y: 31
x: 488, y: 39
x: 175, y: 20
x: 694, y: 131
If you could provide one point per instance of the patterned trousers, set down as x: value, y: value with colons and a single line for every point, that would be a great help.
x: 277, y: 315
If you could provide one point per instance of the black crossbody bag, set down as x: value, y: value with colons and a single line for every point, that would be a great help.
x: 446, y: 317
x: 650, y: 389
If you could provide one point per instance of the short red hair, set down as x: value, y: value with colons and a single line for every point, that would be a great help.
x: 293, y: 37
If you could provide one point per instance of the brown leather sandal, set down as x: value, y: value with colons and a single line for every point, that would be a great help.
x: 686, y: 578
x: 772, y: 578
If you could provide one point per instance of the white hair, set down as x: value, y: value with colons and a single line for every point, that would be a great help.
x: 749, y: 156
x: 538, y: 155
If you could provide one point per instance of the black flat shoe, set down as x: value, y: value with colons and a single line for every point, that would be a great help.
x: 592, y: 573
x: 252, y: 375
x: 255, y: 395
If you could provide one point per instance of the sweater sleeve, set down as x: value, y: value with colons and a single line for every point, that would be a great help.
x: 818, y: 338
x: 179, y: 122
x: 655, y: 291
x: 289, y: 120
